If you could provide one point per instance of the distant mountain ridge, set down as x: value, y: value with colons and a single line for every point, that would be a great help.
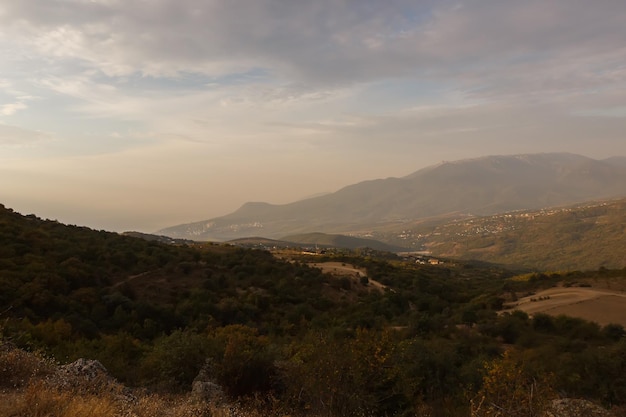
x: 480, y: 186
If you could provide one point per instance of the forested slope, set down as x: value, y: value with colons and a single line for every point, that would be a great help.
x: 313, y: 343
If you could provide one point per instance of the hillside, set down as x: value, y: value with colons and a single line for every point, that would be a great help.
x: 319, y: 240
x: 582, y: 237
x: 603, y: 306
x: 481, y: 186
x: 160, y: 239
x: 342, y: 241
x: 98, y: 282
x: 322, y: 240
x: 264, y: 332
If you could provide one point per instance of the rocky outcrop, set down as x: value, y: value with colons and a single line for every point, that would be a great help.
x: 88, y: 376
x: 88, y: 369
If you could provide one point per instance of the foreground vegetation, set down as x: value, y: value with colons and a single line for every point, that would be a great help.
x: 280, y: 337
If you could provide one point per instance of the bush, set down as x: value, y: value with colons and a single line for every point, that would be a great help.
x: 175, y: 360
x: 511, y: 390
x: 243, y: 363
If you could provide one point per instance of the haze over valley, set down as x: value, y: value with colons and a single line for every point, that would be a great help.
x: 119, y: 116
x: 480, y: 186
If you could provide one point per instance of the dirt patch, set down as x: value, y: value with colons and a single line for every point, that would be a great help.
x: 339, y: 269
x: 601, y: 306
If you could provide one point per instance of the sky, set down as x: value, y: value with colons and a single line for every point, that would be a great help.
x: 143, y: 114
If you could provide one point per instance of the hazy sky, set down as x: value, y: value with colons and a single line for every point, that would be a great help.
x: 142, y: 114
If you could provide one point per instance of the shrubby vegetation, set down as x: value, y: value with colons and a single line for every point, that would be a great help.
x: 288, y: 337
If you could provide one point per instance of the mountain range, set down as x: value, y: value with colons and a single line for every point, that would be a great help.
x: 470, y: 187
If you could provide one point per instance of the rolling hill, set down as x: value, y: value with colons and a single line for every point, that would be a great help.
x: 321, y: 240
x: 342, y: 241
x: 587, y: 236
x: 266, y: 330
x: 481, y: 186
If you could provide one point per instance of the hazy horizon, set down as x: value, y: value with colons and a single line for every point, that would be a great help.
x: 119, y: 116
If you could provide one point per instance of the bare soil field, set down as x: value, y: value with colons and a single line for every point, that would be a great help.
x: 338, y: 268
x: 599, y: 305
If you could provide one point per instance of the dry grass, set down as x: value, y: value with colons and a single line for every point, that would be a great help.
x: 18, y: 367
x: 39, y: 400
x: 34, y: 386
x: 30, y: 386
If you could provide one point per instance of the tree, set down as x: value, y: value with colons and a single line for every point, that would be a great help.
x: 242, y: 360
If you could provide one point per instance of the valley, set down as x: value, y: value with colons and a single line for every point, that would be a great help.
x: 435, y: 313
x: 336, y: 208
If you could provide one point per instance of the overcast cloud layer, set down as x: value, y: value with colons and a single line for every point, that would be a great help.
x: 136, y: 114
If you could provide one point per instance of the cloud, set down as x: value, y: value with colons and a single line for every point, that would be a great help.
x: 310, y: 38
x: 247, y: 86
x: 12, y: 108
x: 16, y: 136
x: 17, y: 98
x: 277, y: 60
x: 484, y: 49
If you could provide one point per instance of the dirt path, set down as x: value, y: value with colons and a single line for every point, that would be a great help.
x: 341, y: 269
x: 132, y: 277
x: 601, y: 306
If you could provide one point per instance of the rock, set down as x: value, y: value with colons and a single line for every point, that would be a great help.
x: 204, y: 389
x: 89, y: 376
x: 571, y: 407
x: 88, y: 369
x: 82, y: 374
